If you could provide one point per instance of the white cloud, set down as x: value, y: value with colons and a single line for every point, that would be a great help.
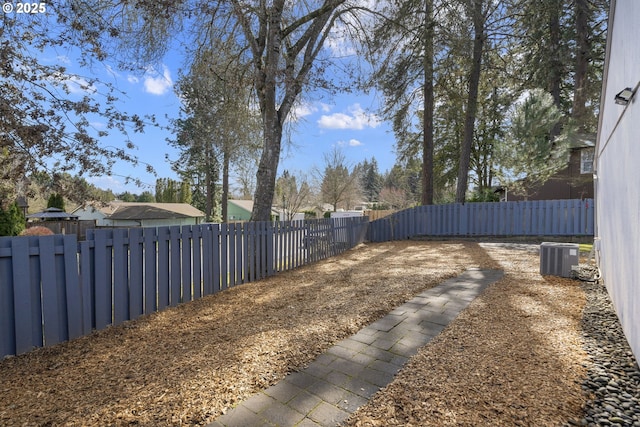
x: 302, y: 110
x: 74, y: 84
x: 106, y: 183
x: 63, y: 59
x: 357, y: 119
x: 354, y: 143
x: 111, y: 71
x: 157, y: 84
x: 132, y: 79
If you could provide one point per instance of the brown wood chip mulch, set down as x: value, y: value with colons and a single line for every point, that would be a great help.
x: 514, y: 357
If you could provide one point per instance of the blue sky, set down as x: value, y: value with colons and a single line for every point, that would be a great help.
x: 344, y: 120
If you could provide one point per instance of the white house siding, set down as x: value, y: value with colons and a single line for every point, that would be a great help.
x: 91, y: 214
x: 617, y: 163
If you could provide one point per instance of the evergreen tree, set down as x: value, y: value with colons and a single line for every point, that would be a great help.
x: 56, y: 201
x: 11, y: 220
x: 530, y: 155
x: 370, y: 179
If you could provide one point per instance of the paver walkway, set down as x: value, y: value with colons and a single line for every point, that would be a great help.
x: 337, y: 382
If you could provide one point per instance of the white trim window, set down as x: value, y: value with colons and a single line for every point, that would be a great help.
x: 586, y: 160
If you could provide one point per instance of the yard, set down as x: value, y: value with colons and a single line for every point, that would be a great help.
x: 514, y: 357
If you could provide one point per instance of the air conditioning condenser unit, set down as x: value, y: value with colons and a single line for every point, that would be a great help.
x: 556, y: 259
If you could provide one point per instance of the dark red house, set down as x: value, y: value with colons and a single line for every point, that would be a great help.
x: 573, y: 182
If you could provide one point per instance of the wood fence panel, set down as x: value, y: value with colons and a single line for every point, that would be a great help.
x: 7, y: 301
x: 87, y: 275
x: 123, y: 273
x: 26, y: 295
x: 293, y: 245
x: 163, y: 267
x: 589, y: 217
x: 232, y: 254
x: 121, y: 276
x: 224, y: 256
x: 136, y: 273
x: 196, y: 241
x: 268, y: 245
x: 247, y: 251
x: 186, y: 246
x: 103, y: 277
x: 217, y: 256
x: 54, y: 299
x: 262, y: 249
x: 150, y: 268
x: 75, y: 327
x: 239, y: 260
x: 207, y: 260
x: 174, y: 262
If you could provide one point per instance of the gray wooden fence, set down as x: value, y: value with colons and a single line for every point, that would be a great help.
x: 53, y: 288
x: 529, y: 218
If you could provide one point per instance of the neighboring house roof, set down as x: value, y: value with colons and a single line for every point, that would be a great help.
x: 247, y: 205
x: 52, y: 213
x: 141, y: 210
x: 582, y: 140
x: 134, y: 211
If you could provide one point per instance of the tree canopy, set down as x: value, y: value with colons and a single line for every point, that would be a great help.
x: 451, y: 74
x: 46, y: 111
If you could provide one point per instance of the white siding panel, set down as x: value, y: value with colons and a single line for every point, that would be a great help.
x: 618, y: 173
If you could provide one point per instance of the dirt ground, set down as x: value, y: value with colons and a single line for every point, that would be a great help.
x: 514, y: 357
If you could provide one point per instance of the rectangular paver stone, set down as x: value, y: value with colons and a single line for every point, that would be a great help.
x: 242, y: 417
x: 282, y: 415
x: 258, y: 402
x: 304, y: 402
x: 283, y: 392
x: 301, y: 379
x: 328, y: 415
x: 327, y: 391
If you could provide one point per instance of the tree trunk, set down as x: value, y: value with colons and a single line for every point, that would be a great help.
x: 583, y: 48
x: 225, y: 184
x: 472, y: 103
x: 209, y: 183
x: 266, y: 176
x: 555, y: 74
x: 427, y: 149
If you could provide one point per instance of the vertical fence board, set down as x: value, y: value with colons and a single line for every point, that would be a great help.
x: 75, y: 319
x: 215, y: 261
x: 26, y: 294
x: 87, y: 257
x: 246, y: 252
x: 262, y: 249
x: 239, y: 260
x: 196, y: 242
x: 232, y: 254
x: 174, y: 262
x: 103, y: 278
x: 120, y: 276
x: 136, y: 273
x: 150, y: 249
x: 163, y: 267
x: 269, y: 248
x: 207, y: 260
x: 186, y: 243
x: 224, y: 256
x: 53, y: 307
x: 7, y: 312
